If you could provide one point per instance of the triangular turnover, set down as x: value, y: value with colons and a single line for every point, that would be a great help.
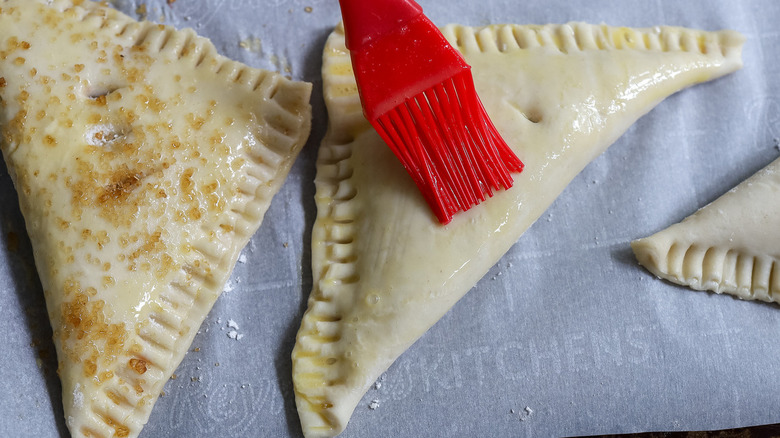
x: 730, y: 246
x: 144, y: 162
x: 384, y: 269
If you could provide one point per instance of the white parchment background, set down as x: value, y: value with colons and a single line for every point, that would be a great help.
x: 565, y: 325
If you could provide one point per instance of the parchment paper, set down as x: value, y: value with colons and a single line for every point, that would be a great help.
x: 566, y: 335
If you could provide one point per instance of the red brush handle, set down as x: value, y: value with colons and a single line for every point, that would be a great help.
x: 367, y: 20
x: 397, y: 52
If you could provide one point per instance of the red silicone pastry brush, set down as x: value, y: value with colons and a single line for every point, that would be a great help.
x: 418, y: 93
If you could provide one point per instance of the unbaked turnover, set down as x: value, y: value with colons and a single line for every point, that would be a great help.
x: 384, y: 269
x: 729, y: 246
x: 144, y: 162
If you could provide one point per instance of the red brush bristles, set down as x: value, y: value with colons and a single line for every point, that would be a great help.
x: 418, y: 93
x: 449, y: 146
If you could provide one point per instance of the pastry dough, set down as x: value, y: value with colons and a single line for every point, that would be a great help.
x: 731, y: 245
x: 144, y: 162
x: 384, y: 269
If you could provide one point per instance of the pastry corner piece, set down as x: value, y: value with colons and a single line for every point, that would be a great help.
x: 384, y: 269
x: 144, y: 162
x: 730, y: 246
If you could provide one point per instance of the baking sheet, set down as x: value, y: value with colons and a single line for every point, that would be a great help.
x: 566, y: 335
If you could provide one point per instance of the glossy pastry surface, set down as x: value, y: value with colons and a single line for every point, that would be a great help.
x: 384, y: 269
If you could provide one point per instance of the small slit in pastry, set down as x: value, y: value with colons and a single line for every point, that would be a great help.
x: 533, y: 115
x: 102, y: 91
